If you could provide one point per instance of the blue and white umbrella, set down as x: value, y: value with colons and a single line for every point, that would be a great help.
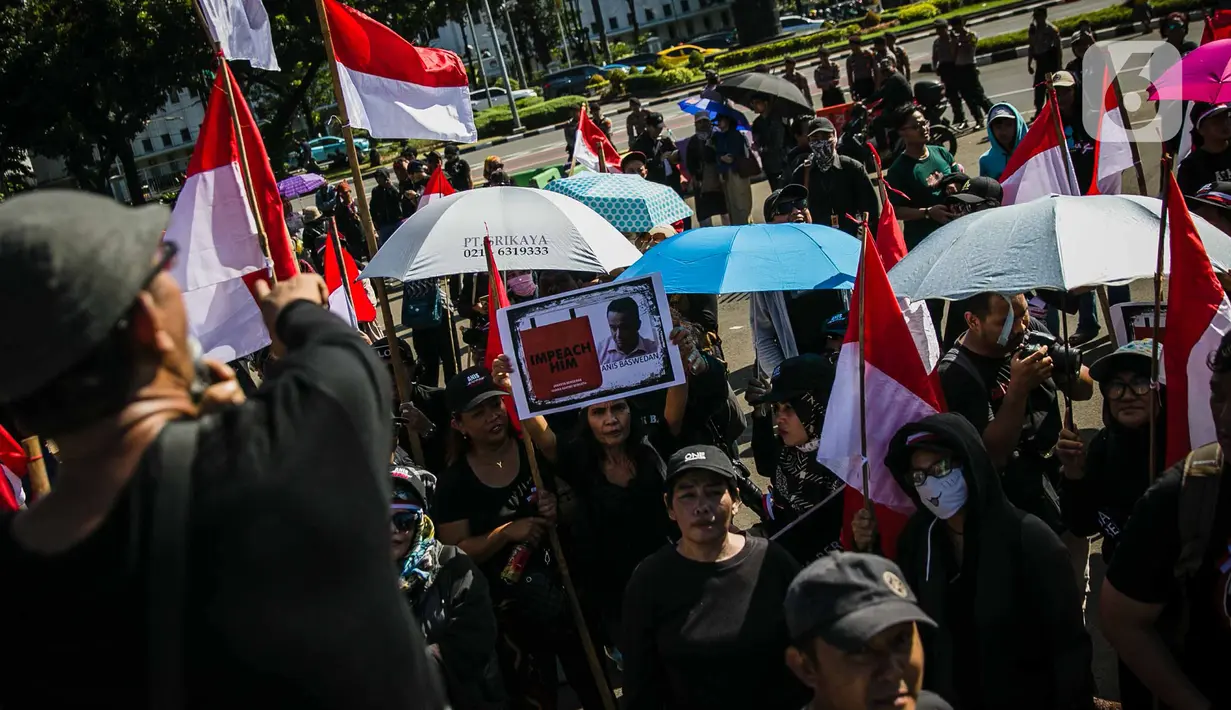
x: 696, y: 105
x: 630, y: 202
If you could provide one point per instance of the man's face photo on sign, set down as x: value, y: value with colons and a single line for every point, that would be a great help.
x: 624, y: 320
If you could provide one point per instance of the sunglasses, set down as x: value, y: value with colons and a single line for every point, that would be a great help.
x: 1119, y: 389
x: 406, y: 517
x: 940, y: 469
x: 792, y: 206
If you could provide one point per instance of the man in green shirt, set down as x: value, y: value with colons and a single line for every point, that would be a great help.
x: 916, y: 175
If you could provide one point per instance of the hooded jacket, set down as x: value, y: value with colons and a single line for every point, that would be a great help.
x: 992, y: 163
x: 1009, y: 629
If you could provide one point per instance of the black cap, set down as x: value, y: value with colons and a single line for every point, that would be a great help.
x: 955, y: 178
x: 836, y: 326
x: 408, y: 484
x: 1215, y: 194
x: 788, y: 193
x: 632, y: 155
x: 981, y: 189
x: 821, y: 124
x: 73, y: 263
x: 655, y: 118
x: 699, y: 458
x: 847, y: 598
x: 800, y: 374
x: 451, y: 149
x: 415, y: 166
x: 470, y: 387
x: 381, y: 172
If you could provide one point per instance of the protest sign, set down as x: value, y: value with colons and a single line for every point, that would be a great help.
x: 592, y: 345
x: 1135, y: 321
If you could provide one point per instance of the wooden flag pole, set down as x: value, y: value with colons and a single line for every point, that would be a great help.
x: 1158, y: 301
x: 245, y: 172
x: 400, y: 375
x: 863, y: 385
x: 36, y: 468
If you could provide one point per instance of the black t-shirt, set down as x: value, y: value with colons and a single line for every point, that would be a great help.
x: 709, y: 635
x: 1143, y: 570
x: 1201, y: 168
x: 291, y: 597
x: 457, y: 172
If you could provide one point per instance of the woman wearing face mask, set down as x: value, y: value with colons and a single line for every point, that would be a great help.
x: 839, y: 188
x: 798, y: 392
x: 521, y: 286
x: 448, y: 596
x: 730, y: 147
x: 710, y: 606
x: 997, y: 581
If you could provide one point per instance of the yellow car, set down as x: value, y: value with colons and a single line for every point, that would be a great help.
x: 678, y: 55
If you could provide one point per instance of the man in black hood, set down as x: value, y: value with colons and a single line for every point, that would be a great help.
x: 997, y: 581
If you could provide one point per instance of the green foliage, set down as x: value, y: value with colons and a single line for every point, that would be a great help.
x: 498, y: 121
x: 596, y: 79
x: 618, y: 79
x: 917, y: 12
x: 872, y: 19
x: 696, y: 60
x: 657, y: 82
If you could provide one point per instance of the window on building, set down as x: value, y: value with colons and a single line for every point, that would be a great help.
x: 631, y: 18
x: 707, y: 21
x: 688, y: 26
x: 613, y: 23
x: 670, y: 31
x: 147, y: 145
x: 185, y: 135
x: 175, y: 97
x: 594, y: 27
x: 166, y: 140
x: 726, y: 19
x: 649, y: 15
x: 666, y: 11
x: 684, y: 6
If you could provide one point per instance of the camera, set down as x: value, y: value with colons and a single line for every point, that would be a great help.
x: 1065, y: 359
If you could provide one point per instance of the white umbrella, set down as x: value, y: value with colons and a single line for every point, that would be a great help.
x: 530, y: 229
x: 1056, y: 242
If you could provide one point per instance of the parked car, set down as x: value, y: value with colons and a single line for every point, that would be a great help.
x: 794, y: 24
x: 478, y: 97
x: 640, y: 61
x: 569, y: 81
x: 678, y: 55
x: 330, y: 149
x: 716, y: 40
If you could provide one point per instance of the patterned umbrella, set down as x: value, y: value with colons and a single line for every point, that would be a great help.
x: 297, y: 185
x: 630, y: 202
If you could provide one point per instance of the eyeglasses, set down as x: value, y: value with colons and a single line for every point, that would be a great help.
x: 917, y: 126
x: 1119, y: 389
x: 789, y: 207
x: 166, y: 257
x: 406, y: 518
x: 940, y: 469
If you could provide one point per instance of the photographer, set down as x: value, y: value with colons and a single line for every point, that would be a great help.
x: 180, y: 558
x: 1004, y: 375
x: 838, y: 186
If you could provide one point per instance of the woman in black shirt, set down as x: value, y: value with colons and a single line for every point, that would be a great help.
x: 1209, y: 161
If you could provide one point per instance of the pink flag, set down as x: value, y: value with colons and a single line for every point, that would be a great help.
x: 1112, y: 152
x: 1038, y: 166
x: 898, y: 388
x: 395, y: 89
x: 591, y: 142
x: 216, y: 230
x: 437, y: 186
x: 1198, y: 315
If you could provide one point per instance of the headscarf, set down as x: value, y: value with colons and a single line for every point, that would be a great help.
x: 422, y: 562
x: 798, y: 478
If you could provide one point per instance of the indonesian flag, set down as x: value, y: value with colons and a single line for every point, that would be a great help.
x: 1217, y: 27
x: 437, y: 186
x: 359, y: 309
x: 13, y: 465
x: 1112, y: 152
x: 891, y: 245
x: 395, y: 89
x: 220, y: 251
x: 898, y: 388
x: 591, y: 142
x: 242, y: 28
x: 1198, y: 315
x: 1039, y: 165
x: 497, y: 298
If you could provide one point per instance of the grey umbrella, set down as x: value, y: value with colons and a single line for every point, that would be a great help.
x: 743, y: 87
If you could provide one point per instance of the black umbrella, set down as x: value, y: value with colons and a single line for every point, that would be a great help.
x: 786, y: 95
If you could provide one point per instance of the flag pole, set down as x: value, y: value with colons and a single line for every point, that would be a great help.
x: 1158, y: 301
x: 336, y: 243
x: 863, y: 385
x: 365, y: 216
x: 1125, y: 121
x: 36, y: 467
x: 245, y: 172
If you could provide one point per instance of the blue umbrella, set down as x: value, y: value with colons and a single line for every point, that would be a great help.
x: 630, y: 202
x: 752, y: 257
x: 713, y: 109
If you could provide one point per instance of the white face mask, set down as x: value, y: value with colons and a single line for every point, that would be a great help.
x: 944, y: 495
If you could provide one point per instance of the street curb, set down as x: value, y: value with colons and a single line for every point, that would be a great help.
x: 686, y: 89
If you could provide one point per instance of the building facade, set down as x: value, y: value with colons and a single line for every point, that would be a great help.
x: 670, y: 21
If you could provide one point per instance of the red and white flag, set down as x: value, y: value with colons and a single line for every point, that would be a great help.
x: 437, y: 186
x: 497, y: 298
x: 899, y: 389
x: 1198, y: 315
x: 242, y: 28
x: 1039, y: 166
x: 592, y: 142
x: 395, y: 89
x: 891, y: 245
x: 13, y: 467
x: 359, y: 308
x: 220, y: 252
x: 1112, y: 151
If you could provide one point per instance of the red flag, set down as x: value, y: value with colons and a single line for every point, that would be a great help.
x: 1038, y: 166
x: 890, y: 242
x: 1198, y: 315
x: 13, y: 467
x: 395, y: 89
x: 216, y: 230
x: 497, y: 298
x: 1112, y: 152
x: 587, y: 144
x: 437, y: 186
x: 1217, y: 27
x: 364, y: 311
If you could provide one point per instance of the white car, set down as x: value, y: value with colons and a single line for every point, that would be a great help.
x: 794, y: 24
x: 478, y: 98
